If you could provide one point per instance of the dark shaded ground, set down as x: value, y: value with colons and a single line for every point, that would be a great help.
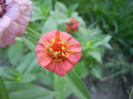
x: 109, y: 89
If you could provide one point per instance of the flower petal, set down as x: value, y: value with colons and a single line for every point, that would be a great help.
x: 44, y: 60
x: 67, y: 65
x: 75, y: 48
x: 4, y: 22
x: 65, y: 35
x: 50, y: 66
x: 72, y: 41
x: 44, y: 39
x: 8, y: 2
x: 59, y: 68
x: 40, y: 47
x: 13, y: 11
x: 47, y: 37
x: 74, y: 58
x: 57, y: 36
x: 39, y: 54
x: 51, y: 34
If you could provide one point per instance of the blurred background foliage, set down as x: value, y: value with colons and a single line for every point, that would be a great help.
x: 106, y: 35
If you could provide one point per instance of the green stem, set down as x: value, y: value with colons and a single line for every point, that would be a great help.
x: 34, y: 32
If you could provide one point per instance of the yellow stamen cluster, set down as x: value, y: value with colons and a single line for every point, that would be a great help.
x: 58, y: 50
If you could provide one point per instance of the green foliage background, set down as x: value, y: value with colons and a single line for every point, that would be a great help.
x: 104, y: 24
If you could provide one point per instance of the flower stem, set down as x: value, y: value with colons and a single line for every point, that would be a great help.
x: 33, y: 32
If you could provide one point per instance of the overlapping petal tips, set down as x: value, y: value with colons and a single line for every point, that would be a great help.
x: 14, y: 20
x: 74, y: 46
x: 58, y: 52
x: 44, y: 60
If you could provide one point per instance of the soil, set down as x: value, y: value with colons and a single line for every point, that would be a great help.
x: 109, y: 89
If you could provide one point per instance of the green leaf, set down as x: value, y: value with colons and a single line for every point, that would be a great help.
x: 10, y: 74
x: 33, y: 66
x: 49, y: 25
x: 37, y: 13
x: 48, y: 4
x: 27, y: 63
x: 15, y: 51
x: 96, y: 55
x: 45, y: 77
x: 29, y: 44
x: 81, y: 70
x: 60, y: 6
x: 3, y: 91
x: 28, y: 91
x: 76, y: 85
x: 27, y: 78
x: 71, y: 9
x: 97, y: 72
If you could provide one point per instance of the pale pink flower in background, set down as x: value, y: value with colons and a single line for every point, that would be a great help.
x: 58, y: 52
x: 14, y: 18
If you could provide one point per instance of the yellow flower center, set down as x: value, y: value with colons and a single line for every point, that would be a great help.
x: 57, y: 47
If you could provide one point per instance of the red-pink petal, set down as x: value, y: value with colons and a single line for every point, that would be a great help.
x: 39, y: 54
x: 74, y: 58
x: 44, y: 60
x: 50, y: 66
x: 59, y: 68
x: 51, y: 34
x: 72, y: 41
x: 40, y: 47
x: 67, y: 65
x: 44, y: 39
x: 65, y: 35
x: 75, y: 48
x: 47, y: 37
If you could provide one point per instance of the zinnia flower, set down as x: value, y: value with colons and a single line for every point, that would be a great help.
x: 72, y: 25
x: 14, y: 18
x: 58, y: 52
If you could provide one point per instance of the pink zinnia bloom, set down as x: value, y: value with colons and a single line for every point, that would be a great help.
x: 72, y: 26
x: 58, y: 52
x: 14, y: 18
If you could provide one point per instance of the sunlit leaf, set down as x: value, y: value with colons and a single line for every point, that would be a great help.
x: 45, y: 77
x: 28, y: 91
x: 28, y: 64
x: 49, y: 25
x: 15, y: 51
x: 71, y: 9
x: 96, y: 55
x: 97, y: 72
x: 9, y: 73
